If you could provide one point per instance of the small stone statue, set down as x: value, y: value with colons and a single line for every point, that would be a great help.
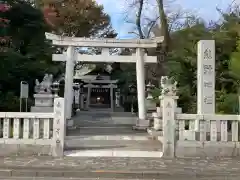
x: 169, y: 86
x: 45, y: 85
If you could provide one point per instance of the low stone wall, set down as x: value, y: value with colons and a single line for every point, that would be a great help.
x: 30, y: 133
x: 22, y: 149
x: 195, y: 149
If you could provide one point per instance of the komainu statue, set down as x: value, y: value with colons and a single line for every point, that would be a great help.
x: 169, y: 86
x: 45, y: 85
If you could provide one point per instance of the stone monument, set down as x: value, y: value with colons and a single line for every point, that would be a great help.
x: 43, y: 97
x: 206, y: 81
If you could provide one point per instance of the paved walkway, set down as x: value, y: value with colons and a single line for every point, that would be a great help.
x: 99, y: 178
x: 122, y: 167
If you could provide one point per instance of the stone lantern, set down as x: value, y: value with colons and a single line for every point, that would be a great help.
x: 55, y: 88
x: 132, y: 89
x: 149, y: 87
x: 150, y: 104
x: 77, y: 91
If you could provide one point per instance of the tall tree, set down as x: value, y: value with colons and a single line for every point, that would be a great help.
x: 80, y: 18
x: 28, y: 56
x: 161, y: 24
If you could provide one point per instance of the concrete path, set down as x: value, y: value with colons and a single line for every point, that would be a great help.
x: 49, y: 178
x: 174, y: 178
x: 148, y: 168
x: 52, y: 178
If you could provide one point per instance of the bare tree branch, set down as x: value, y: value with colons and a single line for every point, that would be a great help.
x: 138, y: 19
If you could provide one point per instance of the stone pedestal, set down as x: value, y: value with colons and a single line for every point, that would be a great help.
x: 150, y: 105
x: 43, y: 103
x: 142, y: 124
x: 157, y: 125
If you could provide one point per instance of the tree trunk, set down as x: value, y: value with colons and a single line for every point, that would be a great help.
x: 162, y: 51
x: 138, y: 19
x: 139, y: 28
x: 164, y: 26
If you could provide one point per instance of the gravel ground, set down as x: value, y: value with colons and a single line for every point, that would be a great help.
x: 151, y: 167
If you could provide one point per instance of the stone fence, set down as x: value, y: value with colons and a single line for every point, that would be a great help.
x: 194, y: 140
x: 30, y: 133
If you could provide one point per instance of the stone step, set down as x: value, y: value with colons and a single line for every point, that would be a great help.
x: 125, y: 137
x: 112, y: 146
x: 151, y: 145
x: 114, y: 153
x: 104, y: 130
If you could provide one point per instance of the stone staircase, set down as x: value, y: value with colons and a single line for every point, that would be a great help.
x: 97, y: 135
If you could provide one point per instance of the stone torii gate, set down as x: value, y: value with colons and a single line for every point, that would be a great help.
x: 71, y: 57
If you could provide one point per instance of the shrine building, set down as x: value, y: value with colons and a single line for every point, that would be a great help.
x: 98, y: 89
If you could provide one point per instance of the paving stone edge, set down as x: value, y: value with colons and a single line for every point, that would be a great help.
x: 104, y: 174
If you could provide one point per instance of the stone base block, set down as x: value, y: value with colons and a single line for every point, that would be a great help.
x: 156, y: 135
x: 41, y: 109
x: 45, y: 100
x: 153, y: 132
x: 141, y: 124
x: 25, y: 150
x: 196, y: 149
x: 70, y: 124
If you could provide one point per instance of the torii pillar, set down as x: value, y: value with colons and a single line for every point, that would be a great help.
x: 68, y: 89
x: 140, y: 73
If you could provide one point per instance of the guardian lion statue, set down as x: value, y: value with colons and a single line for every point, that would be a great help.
x: 169, y: 86
x: 45, y: 85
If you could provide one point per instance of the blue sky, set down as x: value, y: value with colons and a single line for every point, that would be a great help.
x: 204, y: 8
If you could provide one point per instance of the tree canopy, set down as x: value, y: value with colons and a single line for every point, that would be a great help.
x: 77, y: 17
x: 182, y: 61
x: 27, y: 55
x: 180, y: 52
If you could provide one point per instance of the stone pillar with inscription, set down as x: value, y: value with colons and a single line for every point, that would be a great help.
x: 59, y: 123
x: 168, y: 104
x: 206, y: 80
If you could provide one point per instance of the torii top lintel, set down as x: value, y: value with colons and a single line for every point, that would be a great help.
x: 104, y: 42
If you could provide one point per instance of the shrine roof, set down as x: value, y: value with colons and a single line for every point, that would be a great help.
x: 99, y: 71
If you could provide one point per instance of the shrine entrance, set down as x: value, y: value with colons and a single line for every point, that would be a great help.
x: 139, y: 57
x: 106, y: 133
x: 100, y: 98
x: 98, y: 89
